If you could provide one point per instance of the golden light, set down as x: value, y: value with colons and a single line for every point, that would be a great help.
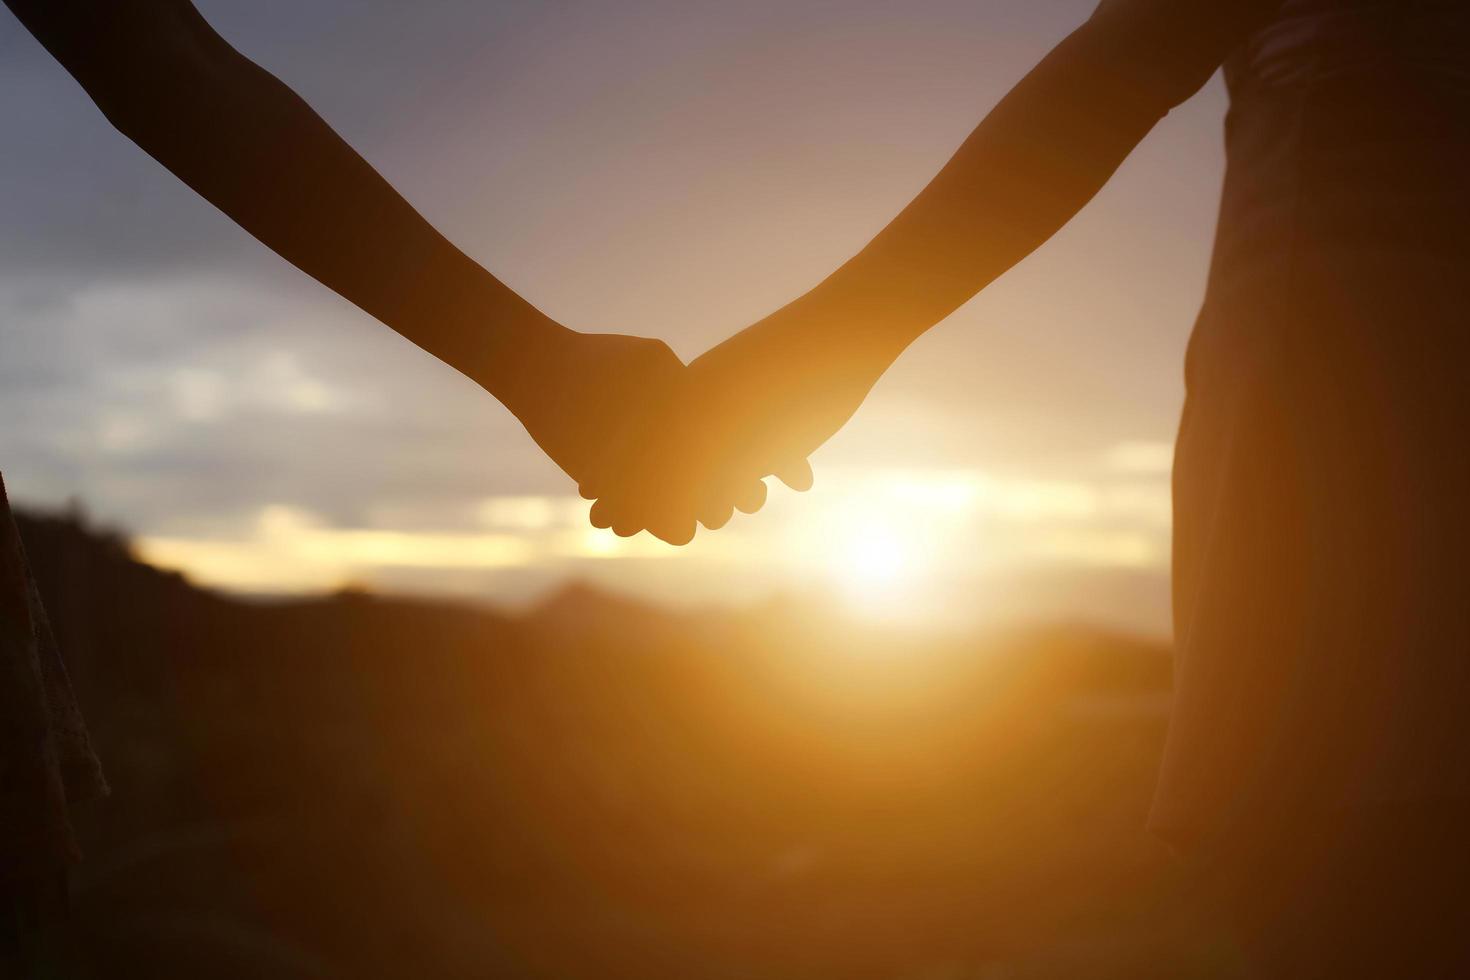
x: 897, y: 545
x: 877, y: 564
x: 880, y: 538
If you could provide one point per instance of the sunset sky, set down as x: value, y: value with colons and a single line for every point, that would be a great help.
x: 661, y: 167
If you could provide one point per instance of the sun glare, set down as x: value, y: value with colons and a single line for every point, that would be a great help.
x: 892, y: 545
x: 882, y: 538
x: 875, y: 564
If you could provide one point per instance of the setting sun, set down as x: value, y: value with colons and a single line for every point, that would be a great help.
x: 876, y: 564
x: 882, y: 534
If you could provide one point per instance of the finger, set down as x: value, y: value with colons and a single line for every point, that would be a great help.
x: 636, y: 493
x: 589, y: 491
x: 637, y: 507
x: 796, y: 475
x: 667, y: 517
x: 751, y: 497
x: 717, y: 515
x: 632, y: 495
x: 670, y: 508
x: 675, y: 532
x: 626, y: 527
x: 601, y: 514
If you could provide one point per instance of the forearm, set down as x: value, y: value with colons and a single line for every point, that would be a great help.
x: 256, y: 151
x: 1032, y: 164
x: 250, y: 146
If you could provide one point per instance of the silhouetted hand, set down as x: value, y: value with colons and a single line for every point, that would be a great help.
x: 589, y: 400
x: 758, y: 404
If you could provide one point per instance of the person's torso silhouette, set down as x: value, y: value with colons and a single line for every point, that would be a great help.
x: 1322, y: 475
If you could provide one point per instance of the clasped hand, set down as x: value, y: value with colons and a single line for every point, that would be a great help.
x: 664, y: 447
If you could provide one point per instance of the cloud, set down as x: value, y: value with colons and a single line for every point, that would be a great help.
x: 171, y: 400
x: 290, y: 549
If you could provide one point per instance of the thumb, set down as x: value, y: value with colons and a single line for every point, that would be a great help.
x: 796, y: 474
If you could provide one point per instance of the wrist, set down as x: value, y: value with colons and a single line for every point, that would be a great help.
x: 518, y: 357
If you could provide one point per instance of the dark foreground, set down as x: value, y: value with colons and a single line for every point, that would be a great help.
x: 362, y: 787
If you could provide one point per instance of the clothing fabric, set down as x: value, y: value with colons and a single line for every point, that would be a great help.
x: 46, y: 757
x: 1321, y: 477
x: 31, y: 906
x: 1382, y: 892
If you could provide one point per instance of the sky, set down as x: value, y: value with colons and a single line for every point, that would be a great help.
x: 672, y: 168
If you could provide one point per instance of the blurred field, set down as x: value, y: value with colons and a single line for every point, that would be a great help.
x: 372, y: 788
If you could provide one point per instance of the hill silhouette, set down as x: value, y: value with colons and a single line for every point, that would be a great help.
x: 365, y: 786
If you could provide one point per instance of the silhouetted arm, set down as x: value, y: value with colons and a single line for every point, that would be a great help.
x: 779, y: 389
x: 250, y: 146
x: 1041, y: 154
